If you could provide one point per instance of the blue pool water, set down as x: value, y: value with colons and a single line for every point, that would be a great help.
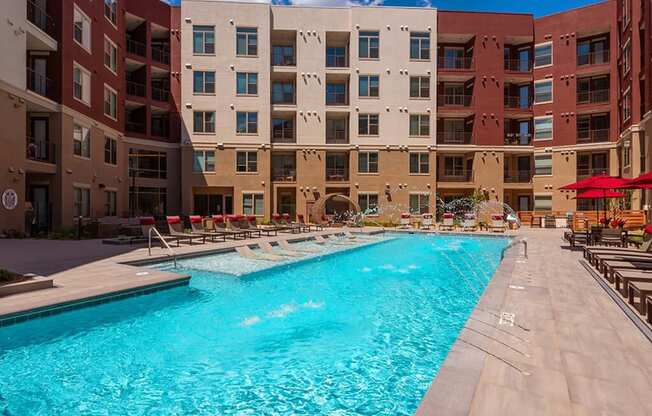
x: 356, y: 332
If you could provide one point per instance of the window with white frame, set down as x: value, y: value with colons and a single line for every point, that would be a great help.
x: 543, y: 91
x: 246, y: 162
x: 246, y: 41
x: 203, y: 161
x: 543, y: 202
x: 368, y: 124
x: 368, y: 162
x: 420, y: 87
x: 627, y: 57
x: 203, y: 40
x: 110, y: 55
x: 110, y: 102
x: 81, y: 30
x: 419, y: 125
x: 110, y: 10
x: 203, y: 82
x: 419, y: 203
x: 110, y: 151
x: 368, y: 85
x: 543, y: 164
x: 627, y: 154
x: 368, y: 45
x: 246, y: 122
x: 81, y: 141
x: 110, y: 203
x: 368, y: 203
x: 543, y: 128
x: 253, y: 204
x: 204, y: 122
x: 81, y: 84
x: 543, y: 54
x: 419, y: 163
x: 82, y: 202
x: 627, y: 105
x: 420, y: 46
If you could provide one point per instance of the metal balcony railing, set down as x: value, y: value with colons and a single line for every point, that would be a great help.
x: 338, y: 137
x: 455, y: 63
x: 518, y: 176
x: 337, y: 61
x: 39, y: 83
x: 587, y: 172
x: 454, y: 137
x: 40, y: 18
x: 337, y: 98
x: 281, y: 135
x: 518, y: 65
x: 285, y: 98
x: 455, y: 175
x: 593, y: 58
x: 454, y: 100
x: 160, y: 94
x: 40, y: 150
x: 337, y: 174
x: 516, y: 102
x: 160, y: 55
x: 160, y: 130
x: 135, y: 127
x: 592, y: 135
x: 136, y: 48
x: 284, y: 174
x: 280, y: 59
x: 518, y: 139
x: 136, y: 89
x: 592, y: 96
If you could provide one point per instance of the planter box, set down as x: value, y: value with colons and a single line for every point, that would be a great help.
x: 36, y: 283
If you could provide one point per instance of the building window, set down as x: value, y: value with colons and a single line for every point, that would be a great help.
x: 110, y: 151
x: 336, y: 57
x: 246, y: 41
x: 203, y: 82
x: 110, y: 103
x: 247, y: 83
x: 81, y: 30
x: 110, y: 55
x: 246, y: 162
x: 283, y: 92
x: 420, y: 46
x: 627, y: 105
x: 81, y: 84
x: 203, y: 40
x: 543, y: 202
x: 543, y: 128
x: 368, y: 86
x: 627, y: 155
x: 626, y: 57
x: 246, y: 122
x: 543, y: 91
x: 337, y: 93
x: 203, y: 161
x: 82, y: 204
x: 148, y: 200
x: 368, y: 45
x: 110, y: 10
x: 337, y: 130
x: 419, y: 125
x: 419, y: 163
x: 204, y: 122
x: 543, y: 54
x: 368, y: 203
x: 368, y: 124
x: 110, y: 203
x: 419, y: 204
x: 81, y: 141
x: 368, y: 162
x: 147, y: 164
x: 283, y: 55
x: 543, y: 164
x: 419, y: 87
x: 253, y: 204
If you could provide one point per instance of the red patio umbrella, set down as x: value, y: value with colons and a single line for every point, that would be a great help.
x: 601, y: 184
x: 642, y: 182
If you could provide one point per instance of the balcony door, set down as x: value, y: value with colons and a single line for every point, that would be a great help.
x: 524, y: 132
x: 39, y: 67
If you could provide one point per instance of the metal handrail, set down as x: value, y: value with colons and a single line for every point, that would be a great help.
x: 171, y: 252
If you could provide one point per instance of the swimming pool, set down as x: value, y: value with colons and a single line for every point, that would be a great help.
x: 361, y: 331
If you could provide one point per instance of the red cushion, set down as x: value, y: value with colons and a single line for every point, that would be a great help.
x: 286, y: 216
x: 195, y: 219
x: 240, y: 217
x: 276, y: 217
x: 174, y: 219
x: 232, y: 217
x: 251, y: 218
x: 147, y: 221
x: 405, y: 215
x: 300, y: 216
x: 496, y: 217
x: 448, y: 215
x: 218, y: 218
x: 648, y: 229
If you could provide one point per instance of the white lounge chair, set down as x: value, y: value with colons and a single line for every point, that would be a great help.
x: 247, y: 252
x: 267, y: 248
x: 470, y: 223
x: 405, y: 220
x: 448, y: 222
x: 321, y: 240
x: 285, y: 245
x: 497, y: 223
x: 426, y: 221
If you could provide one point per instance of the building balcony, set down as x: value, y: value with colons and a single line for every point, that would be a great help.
x: 588, y: 172
x: 160, y: 55
x: 337, y: 61
x: 518, y: 139
x: 518, y: 65
x: 136, y: 89
x: 40, y: 150
x: 136, y: 48
x: 517, y: 176
x: 284, y: 174
x: 160, y: 94
x: 517, y: 103
x: 592, y: 135
x: 455, y: 175
x: 160, y: 130
x: 454, y: 137
x: 40, y: 18
x: 135, y: 127
x: 338, y: 137
x: 40, y: 84
x: 337, y: 99
x: 455, y: 64
x: 593, y: 58
x: 287, y: 98
x: 454, y: 100
x: 337, y: 174
x: 592, y: 96
x: 283, y: 135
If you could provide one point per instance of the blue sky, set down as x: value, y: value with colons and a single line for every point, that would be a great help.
x: 536, y: 7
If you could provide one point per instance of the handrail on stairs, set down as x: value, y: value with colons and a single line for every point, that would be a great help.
x: 171, y: 252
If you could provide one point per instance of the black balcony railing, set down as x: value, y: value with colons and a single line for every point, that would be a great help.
x: 518, y: 176
x: 39, y: 83
x: 455, y: 175
x: 454, y: 137
x: 592, y: 96
x: 337, y: 174
x: 281, y: 59
x: 40, y: 150
x: 40, y: 18
x: 284, y: 174
x: 592, y: 135
x: 136, y: 89
x: 454, y: 100
x: 160, y: 129
x: 160, y: 94
x: 281, y: 135
x: 338, y: 137
x: 518, y: 65
x: 136, y: 48
x: 586, y: 172
x: 516, y: 102
x: 285, y: 98
x: 518, y: 139
x: 337, y: 61
x: 135, y: 127
x: 593, y: 58
x: 455, y: 63
x: 337, y: 98
x: 160, y: 55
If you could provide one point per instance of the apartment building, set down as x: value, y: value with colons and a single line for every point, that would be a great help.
x: 68, y: 111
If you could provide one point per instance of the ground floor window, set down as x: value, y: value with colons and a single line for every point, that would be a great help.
x: 368, y: 203
x: 148, y: 200
x: 212, y: 204
x: 419, y: 204
x: 82, y: 203
x: 253, y: 204
x: 110, y: 203
x: 543, y: 202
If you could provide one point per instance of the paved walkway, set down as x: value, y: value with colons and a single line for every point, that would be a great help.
x: 580, y: 354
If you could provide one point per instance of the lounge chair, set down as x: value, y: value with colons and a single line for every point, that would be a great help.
x: 426, y: 221
x: 348, y: 234
x: 175, y: 227
x: 608, y: 237
x: 285, y: 245
x: 247, y: 252
x: 404, y: 221
x: 639, y: 290
x: 648, y: 307
x: 267, y: 248
x: 249, y: 223
x: 321, y: 240
x: 197, y: 227
x: 277, y: 221
x: 235, y: 222
x: 148, y: 222
x: 497, y: 223
x: 448, y: 222
x: 302, y: 221
x: 590, y: 253
x: 609, y: 267
x: 623, y: 277
x: 470, y: 223
x: 219, y: 226
x: 286, y: 220
x: 575, y: 237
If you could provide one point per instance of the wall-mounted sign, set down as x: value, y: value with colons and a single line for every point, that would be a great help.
x: 9, y: 199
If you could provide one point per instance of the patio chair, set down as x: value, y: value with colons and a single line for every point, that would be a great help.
x: 247, y: 252
x: 250, y: 223
x: 267, y: 248
x: 277, y: 221
x: 236, y: 223
x: 302, y: 227
x: 497, y: 223
x: 175, y: 227
x: 149, y: 222
x: 470, y: 223
x: 197, y: 227
x: 607, y: 236
x: 623, y: 277
x: 639, y: 290
x: 404, y: 221
x: 426, y: 221
x: 448, y: 222
x: 301, y: 220
x: 219, y: 226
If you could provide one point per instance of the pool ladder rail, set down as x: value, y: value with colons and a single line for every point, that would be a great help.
x: 171, y: 252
